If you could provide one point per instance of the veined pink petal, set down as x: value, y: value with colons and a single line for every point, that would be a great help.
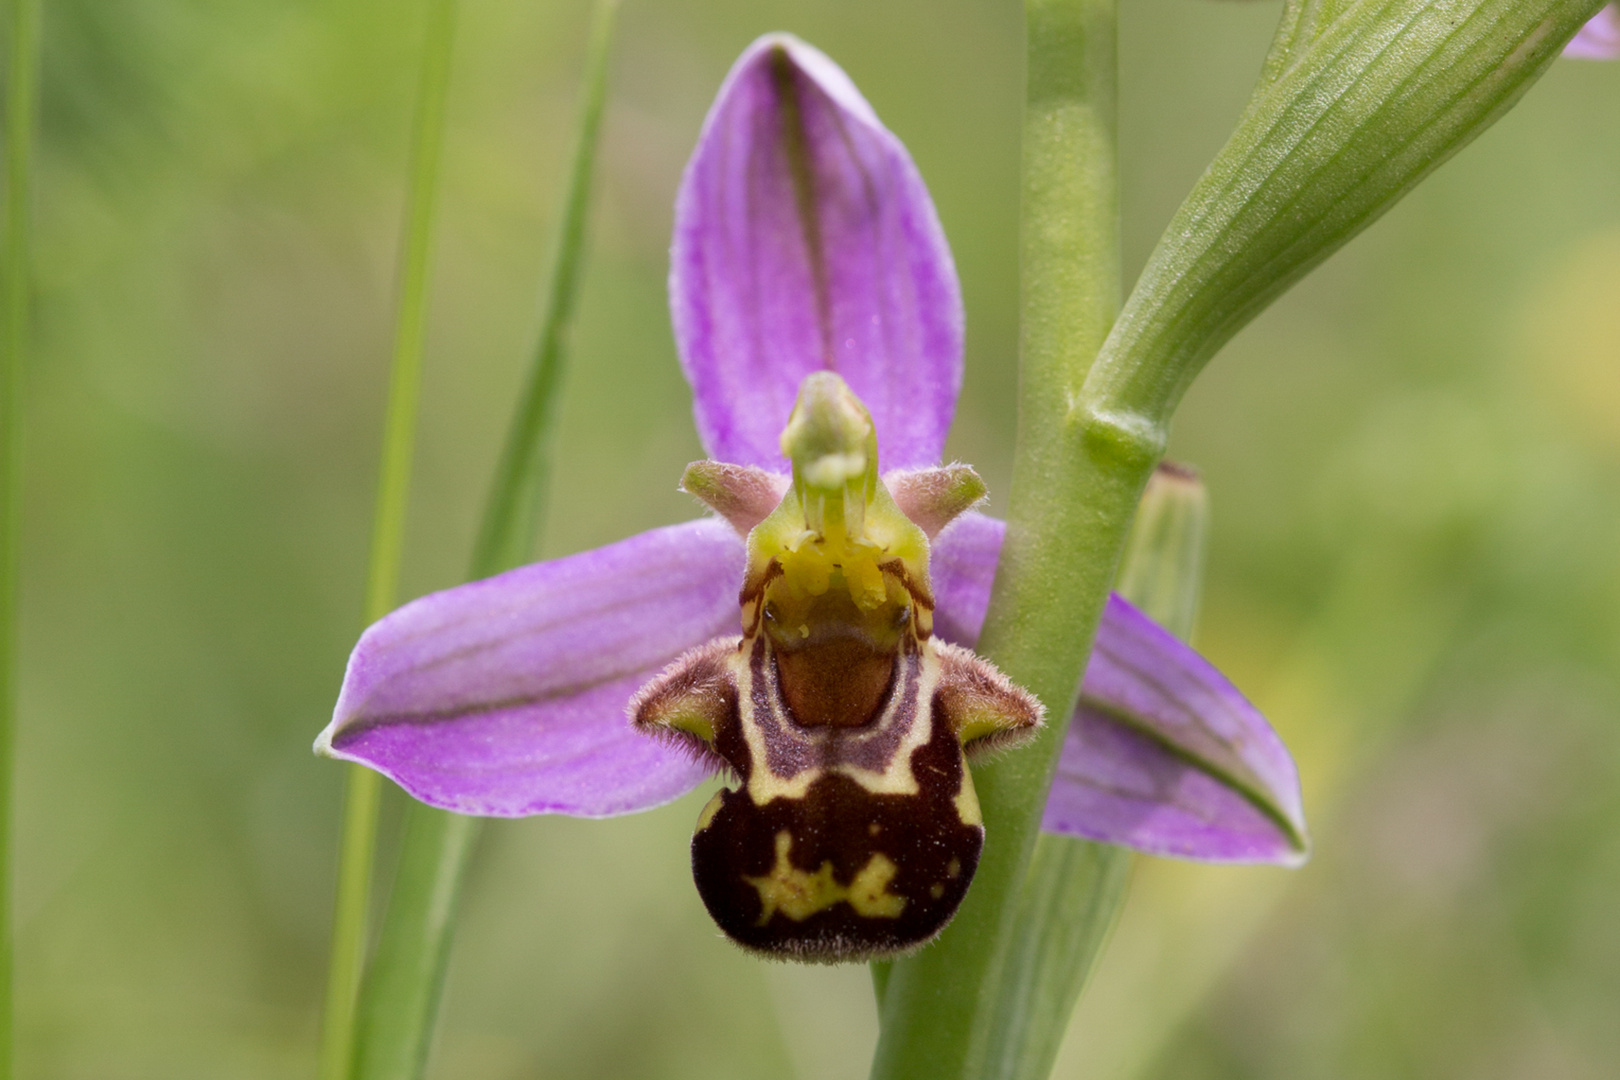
x: 506, y: 697
x: 1168, y: 757
x: 1164, y: 755
x: 805, y: 239
x: 962, y: 565
x: 1599, y: 39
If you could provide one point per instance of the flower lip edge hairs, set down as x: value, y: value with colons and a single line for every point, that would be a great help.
x: 805, y: 241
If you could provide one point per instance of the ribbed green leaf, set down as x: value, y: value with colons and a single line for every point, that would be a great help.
x: 399, y: 1002
x: 1359, y: 101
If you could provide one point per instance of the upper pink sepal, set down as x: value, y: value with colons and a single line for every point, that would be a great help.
x: 805, y: 240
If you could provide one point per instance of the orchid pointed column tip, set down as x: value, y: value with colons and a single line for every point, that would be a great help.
x: 829, y: 437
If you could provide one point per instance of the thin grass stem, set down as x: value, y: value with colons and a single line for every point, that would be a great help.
x: 517, y: 498
x: 400, y: 999
x: 363, y: 788
x: 22, y: 93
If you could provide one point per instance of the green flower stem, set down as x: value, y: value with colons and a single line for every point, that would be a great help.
x: 880, y: 980
x: 363, y: 787
x: 1075, y: 486
x: 22, y: 91
x: 400, y: 999
x: 1358, y: 102
x: 1075, y: 890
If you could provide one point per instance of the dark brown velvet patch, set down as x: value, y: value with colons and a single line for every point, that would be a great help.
x: 841, y: 682
x: 792, y: 747
x: 838, y: 822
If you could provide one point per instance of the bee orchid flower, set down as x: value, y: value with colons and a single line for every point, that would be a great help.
x: 810, y: 640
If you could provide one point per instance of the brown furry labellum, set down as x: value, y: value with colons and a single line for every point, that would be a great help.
x: 853, y: 830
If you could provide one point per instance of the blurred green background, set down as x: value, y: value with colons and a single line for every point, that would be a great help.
x: 1414, y: 460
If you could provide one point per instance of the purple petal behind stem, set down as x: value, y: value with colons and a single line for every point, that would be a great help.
x: 506, y: 697
x: 1599, y: 39
x: 1167, y: 757
x: 1164, y: 755
x: 962, y: 565
x: 805, y: 240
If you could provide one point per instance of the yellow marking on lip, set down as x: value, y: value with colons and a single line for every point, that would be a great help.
x: 869, y: 893
x: 895, y: 778
x: 763, y: 785
x: 967, y: 799
x: 799, y: 894
x: 710, y: 808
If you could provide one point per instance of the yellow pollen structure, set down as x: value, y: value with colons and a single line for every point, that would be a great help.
x: 812, y: 563
x: 799, y: 894
x: 837, y: 531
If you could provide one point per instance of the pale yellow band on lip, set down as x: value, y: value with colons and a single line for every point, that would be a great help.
x: 895, y: 778
x: 799, y: 894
